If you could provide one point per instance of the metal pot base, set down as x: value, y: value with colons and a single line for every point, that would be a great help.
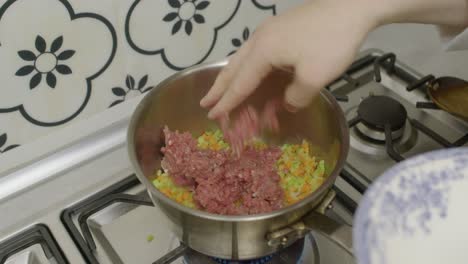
x: 296, y: 253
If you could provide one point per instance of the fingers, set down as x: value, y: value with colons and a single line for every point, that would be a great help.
x: 221, y: 83
x: 255, y: 67
x: 224, y: 123
x: 301, y: 91
x: 269, y: 116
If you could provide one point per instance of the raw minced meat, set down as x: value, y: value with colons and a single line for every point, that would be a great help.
x: 229, y: 172
x: 223, y: 183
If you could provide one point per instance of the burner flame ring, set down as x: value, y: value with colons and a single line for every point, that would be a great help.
x: 373, y: 134
x: 377, y: 112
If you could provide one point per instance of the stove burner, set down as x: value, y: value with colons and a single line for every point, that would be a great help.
x: 36, y: 235
x: 263, y: 260
x: 291, y: 254
x: 377, y: 112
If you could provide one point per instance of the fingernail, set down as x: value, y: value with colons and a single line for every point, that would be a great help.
x: 290, y: 108
x: 203, y: 102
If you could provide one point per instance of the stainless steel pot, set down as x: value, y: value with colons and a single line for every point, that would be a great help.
x: 175, y: 103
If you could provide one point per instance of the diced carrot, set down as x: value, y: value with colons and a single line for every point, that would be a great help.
x: 306, y: 188
x: 300, y: 171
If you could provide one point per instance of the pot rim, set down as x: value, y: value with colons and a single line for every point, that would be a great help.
x: 234, y: 218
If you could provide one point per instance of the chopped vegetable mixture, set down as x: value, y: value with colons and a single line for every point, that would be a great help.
x: 300, y: 173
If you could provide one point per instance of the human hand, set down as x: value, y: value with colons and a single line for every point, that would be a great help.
x: 318, y: 40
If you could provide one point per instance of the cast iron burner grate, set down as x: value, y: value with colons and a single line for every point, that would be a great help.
x: 85, y: 209
x: 115, y: 194
x: 387, y: 62
x: 38, y: 234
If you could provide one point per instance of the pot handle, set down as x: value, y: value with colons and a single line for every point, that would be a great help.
x: 340, y: 234
x: 317, y: 221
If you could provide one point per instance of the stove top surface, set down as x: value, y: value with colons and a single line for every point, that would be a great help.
x: 100, y: 226
x: 388, y: 117
x: 118, y: 224
x: 87, y: 207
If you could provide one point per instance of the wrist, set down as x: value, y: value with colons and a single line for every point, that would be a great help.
x: 363, y: 14
x: 374, y: 12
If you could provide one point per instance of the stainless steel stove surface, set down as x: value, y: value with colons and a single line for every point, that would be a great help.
x: 390, y: 116
x: 82, y: 203
x: 119, y: 225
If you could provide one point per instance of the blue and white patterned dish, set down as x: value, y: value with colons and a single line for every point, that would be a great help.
x: 416, y: 212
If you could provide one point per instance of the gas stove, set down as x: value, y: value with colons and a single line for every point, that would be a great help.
x: 390, y: 117
x: 80, y: 202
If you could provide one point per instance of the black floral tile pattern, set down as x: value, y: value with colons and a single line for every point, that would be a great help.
x: 45, y: 62
x: 3, y: 146
x: 64, y: 62
x: 123, y: 93
x: 196, y: 22
x: 237, y: 42
x: 265, y: 6
x: 186, y: 12
x: 46, y: 54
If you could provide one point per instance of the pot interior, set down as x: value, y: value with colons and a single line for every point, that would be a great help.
x: 175, y: 103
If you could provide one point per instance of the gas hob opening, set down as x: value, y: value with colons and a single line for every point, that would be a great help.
x: 33, y: 245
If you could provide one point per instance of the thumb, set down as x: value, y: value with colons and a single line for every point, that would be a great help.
x: 300, y: 92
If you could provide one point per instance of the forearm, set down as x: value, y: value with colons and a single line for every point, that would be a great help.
x: 452, y: 13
